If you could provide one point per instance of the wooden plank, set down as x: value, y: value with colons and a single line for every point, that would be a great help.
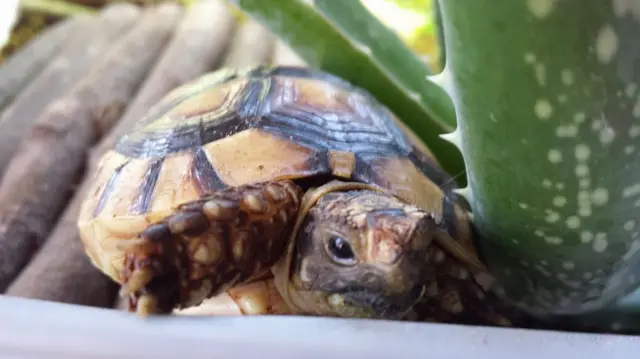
x: 41, y: 176
x: 87, y: 45
x: 284, y: 55
x: 251, y: 45
x: 55, y: 272
x: 17, y: 71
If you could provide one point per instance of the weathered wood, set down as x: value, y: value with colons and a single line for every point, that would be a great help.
x: 88, y: 44
x: 40, y: 178
x: 252, y: 44
x: 284, y: 55
x: 28, y: 62
x: 56, y: 271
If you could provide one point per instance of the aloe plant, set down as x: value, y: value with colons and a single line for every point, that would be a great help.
x: 548, y: 122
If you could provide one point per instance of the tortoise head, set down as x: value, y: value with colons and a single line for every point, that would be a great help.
x: 358, y: 253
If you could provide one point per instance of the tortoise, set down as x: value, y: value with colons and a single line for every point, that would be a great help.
x: 288, y: 172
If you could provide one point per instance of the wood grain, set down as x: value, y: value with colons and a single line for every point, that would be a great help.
x: 91, y: 39
x: 54, y: 273
x: 42, y: 175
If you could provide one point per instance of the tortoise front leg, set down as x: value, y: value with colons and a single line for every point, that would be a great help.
x: 209, y: 245
x: 457, y: 295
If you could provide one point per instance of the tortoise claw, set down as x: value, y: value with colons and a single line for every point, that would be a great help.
x: 138, y: 279
x: 146, y: 304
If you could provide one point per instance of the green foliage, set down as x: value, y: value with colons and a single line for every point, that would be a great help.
x: 55, y: 7
x: 548, y: 123
x: 343, y: 38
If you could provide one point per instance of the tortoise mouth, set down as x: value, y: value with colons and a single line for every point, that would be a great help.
x: 380, y: 305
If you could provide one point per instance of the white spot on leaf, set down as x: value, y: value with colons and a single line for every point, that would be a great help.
x: 584, y: 183
x: 606, y: 44
x: 582, y: 170
x: 541, y: 74
x: 623, y: 7
x: 629, y: 149
x: 529, y: 58
x: 553, y: 240
x: 552, y: 217
x: 562, y: 98
x: 586, y: 237
x: 582, y: 152
x: 629, y: 225
x: 559, y: 201
x: 607, y: 135
x: 567, y: 77
x: 631, y: 191
x: 567, y: 131
x: 630, y: 90
x: 555, y: 156
x: 543, y: 109
x: 573, y: 222
x: 600, y: 242
x: 600, y: 196
x: 541, y: 8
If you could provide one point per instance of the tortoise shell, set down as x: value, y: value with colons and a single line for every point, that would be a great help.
x: 234, y: 127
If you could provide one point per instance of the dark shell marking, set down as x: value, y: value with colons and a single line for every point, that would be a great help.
x: 319, y: 112
x: 203, y: 248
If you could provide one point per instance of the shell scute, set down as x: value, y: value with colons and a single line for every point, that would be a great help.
x: 255, y: 156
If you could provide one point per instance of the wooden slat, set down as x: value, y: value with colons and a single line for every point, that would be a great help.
x: 42, y: 175
x: 17, y: 71
x: 91, y: 39
x: 54, y: 273
x: 251, y: 45
x: 284, y: 55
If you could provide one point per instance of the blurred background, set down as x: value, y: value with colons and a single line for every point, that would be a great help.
x: 413, y: 20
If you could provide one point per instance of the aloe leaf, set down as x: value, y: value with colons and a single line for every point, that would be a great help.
x: 437, y: 14
x: 396, y: 58
x: 549, y: 126
x: 343, y: 38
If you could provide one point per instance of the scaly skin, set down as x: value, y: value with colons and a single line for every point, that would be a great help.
x: 209, y: 245
x: 450, y: 293
x: 261, y: 297
x: 389, y: 264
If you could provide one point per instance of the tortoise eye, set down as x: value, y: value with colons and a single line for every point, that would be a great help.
x: 340, y: 251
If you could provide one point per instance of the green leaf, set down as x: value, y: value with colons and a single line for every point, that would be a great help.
x: 396, y: 58
x: 56, y: 7
x: 437, y: 19
x: 549, y: 111
x: 343, y: 38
